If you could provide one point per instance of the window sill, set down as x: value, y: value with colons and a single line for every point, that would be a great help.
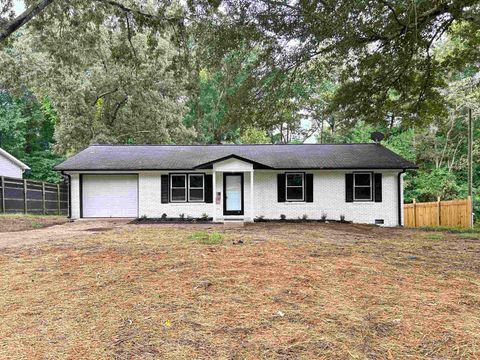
x: 187, y: 203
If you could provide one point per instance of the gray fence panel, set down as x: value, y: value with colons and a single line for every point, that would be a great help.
x: 33, y: 197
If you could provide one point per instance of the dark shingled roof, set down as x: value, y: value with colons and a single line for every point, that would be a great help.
x: 184, y: 157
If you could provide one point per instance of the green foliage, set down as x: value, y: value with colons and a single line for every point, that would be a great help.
x: 428, y: 185
x: 217, y: 111
x: 13, y: 124
x: 26, y: 131
x: 41, y: 164
x: 382, y: 51
x: 254, y: 136
x: 111, y: 73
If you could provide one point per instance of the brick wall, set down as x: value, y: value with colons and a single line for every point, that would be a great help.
x: 329, y: 197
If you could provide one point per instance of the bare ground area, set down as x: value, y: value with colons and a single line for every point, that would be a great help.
x: 281, y: 291
x: 21, y: 222
x: 56, y: 230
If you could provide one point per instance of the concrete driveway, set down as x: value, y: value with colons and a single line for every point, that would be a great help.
x: 59, y: 232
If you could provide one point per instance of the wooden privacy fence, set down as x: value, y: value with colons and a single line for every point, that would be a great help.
x: 453, y: 213
x: 33, y: 197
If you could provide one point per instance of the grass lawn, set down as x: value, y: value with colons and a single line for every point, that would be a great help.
x: 21, y: 222
x: 328, y: 291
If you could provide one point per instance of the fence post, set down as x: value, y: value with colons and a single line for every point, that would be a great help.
x: 44, y: 210
x: 439, y: 220
x: 414, y: 213
x: 25, y: 209
x: 4, y: 210
x: 58, y: 199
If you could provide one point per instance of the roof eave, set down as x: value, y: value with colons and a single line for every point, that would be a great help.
x: 266, y: 168
x: 14, y: 160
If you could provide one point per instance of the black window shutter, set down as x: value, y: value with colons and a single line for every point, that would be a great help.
x: 164, y: 189
x: 209, y: 189
x: 309, y: 187
x: 378, y: 187
x: 349, y: 187
x: 281, y: 187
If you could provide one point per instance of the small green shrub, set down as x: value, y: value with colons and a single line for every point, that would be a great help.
x: 305, y: 217
x: 434, y: 236
x: 182, y: 216
x: 324, y: 216
x: 205, y: 238
x: 342, y: 218
x: 215, y: 237
x: 204, y: 217
x: 260, y: 218
x: 283, y: 217
x: 164, y: 216
x: 468, y: 235
x: 37, y: 225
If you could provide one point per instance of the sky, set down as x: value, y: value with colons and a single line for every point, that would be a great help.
x: 19, y: 6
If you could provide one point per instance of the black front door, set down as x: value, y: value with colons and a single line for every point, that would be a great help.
x: 233, y: 194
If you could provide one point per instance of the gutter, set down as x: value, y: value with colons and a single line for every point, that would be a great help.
x: 399, y: 192
x: 69, y: 193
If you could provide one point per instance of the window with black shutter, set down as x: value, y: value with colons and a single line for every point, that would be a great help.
x: 295, y: 187
x: 187, y: 187
x: 362, y: 186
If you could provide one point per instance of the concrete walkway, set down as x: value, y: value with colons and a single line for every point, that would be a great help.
x: 68, y: 230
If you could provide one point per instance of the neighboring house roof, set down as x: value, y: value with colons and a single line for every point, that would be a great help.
x: 185, y: 157
x: 13, y: 159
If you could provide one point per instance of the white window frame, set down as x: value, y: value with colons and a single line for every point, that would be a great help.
x: 290, y: 186
x: 172, y: 187
x: 363, y: 186
x: 196, y: 188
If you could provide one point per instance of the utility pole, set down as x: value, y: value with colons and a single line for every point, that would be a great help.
x: 470, y: 149
x: 470, y: 165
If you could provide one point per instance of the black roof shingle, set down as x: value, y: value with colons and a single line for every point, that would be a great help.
x: 185, y: 157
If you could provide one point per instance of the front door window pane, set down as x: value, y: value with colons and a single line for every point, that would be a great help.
x: 233, y: 194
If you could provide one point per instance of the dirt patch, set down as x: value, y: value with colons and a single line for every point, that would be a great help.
x: 12, y: 223
x: 58, y: 232
x: 98, y: 229
x: 306, y: 291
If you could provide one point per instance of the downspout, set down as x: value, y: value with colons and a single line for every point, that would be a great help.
x: 399, y: 191
x: 69, y: 193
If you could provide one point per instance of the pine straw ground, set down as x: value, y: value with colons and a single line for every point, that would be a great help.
x: 288, y: 291
x: 22, y: 222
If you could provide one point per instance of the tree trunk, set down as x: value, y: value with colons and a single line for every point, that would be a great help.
x: 23, y: 18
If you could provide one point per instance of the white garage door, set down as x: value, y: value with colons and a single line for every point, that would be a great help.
x: 110, y: 196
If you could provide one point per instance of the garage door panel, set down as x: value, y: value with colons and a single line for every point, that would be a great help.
x: 110, y: 195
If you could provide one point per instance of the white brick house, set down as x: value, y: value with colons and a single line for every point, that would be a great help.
x: 362, y: 182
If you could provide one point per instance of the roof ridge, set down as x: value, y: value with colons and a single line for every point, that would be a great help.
x: 227, y: 145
